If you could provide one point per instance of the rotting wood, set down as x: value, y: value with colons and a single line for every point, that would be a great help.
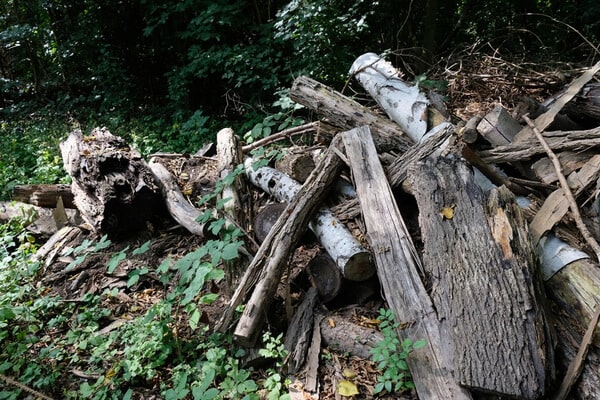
x: 298, y: 336
x: 529, y: 147
x: 296, y: 164
x: 353, y: 260
x: 398, y: 267
x: 346, y: 113
x: 340, y: 334
x: 576, y: 364
x: 266, y: 267
x: 44, y: 195
x: 498, y: 127
x: 112, y: 186
x: 566, y: 190
x: 229, y: 153
x: 497, y: 329
x: 178, y: 206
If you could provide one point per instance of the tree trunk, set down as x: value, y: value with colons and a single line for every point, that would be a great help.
x: 346, y: 113
x: 485, y: 281
x: 112, y: 186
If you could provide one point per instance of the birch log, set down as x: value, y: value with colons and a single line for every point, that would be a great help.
x: 353, y: 260
x: 398, y: 267
x: 403, y: 103
x: 267, y: 266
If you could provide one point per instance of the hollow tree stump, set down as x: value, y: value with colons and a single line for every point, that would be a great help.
x: 112, y: 186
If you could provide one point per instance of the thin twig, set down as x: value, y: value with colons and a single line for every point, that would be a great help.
x: 297, y: 130
x: 11, y: 381
x: 566, y: 189
x: 576, y: 365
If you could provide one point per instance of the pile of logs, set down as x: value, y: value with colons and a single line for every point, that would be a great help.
x: 501, y: 280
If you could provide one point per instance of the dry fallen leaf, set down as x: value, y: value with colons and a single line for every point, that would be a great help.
x: 347, y: 388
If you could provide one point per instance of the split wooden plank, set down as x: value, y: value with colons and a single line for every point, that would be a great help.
x: 267, y: 266
x: 44, y: 195
x: 486, y: 283
x: 398, y: 267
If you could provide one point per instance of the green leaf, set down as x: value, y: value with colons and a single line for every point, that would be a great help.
x: 209, y: 298
x: 230, y: 251
x: 142, y: 249
x: 419, y: 344
x: 116, y: 259
x: 194, y: 318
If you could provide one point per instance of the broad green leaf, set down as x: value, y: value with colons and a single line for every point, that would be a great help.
x: 142, y: 249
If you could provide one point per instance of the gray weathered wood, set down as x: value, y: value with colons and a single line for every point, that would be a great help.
x: 485, y: 281
x: 112, y: 186
x: 346, y: 113
x: 398, y: 268
x: 267, y: 266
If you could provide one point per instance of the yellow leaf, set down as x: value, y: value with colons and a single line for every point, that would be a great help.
x: 347, y: 388
x: 448, y: 212
x: 349, y: 373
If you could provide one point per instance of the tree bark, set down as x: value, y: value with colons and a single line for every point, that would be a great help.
x: 346, y: 113
x: 351, y: 257
x: 485, y: 281
x: 112, y: 186
x: 266, y: 267
x: 398, y: 267
x: 44, y: 195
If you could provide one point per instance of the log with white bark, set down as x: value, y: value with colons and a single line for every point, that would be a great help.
x: 273, y: 255
x: 398, y: 268
x: 405, y: 104
x: 353, y: 260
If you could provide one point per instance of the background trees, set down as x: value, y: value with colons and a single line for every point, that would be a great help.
x: 167, y: 72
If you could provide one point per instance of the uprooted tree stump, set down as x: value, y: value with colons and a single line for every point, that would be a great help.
x: 112, y: 186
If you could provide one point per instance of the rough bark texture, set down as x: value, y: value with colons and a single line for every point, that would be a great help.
x: 267, y: 265
x: 398, y: 268
x: 530, y: 147
x: 346, y: 113
x: 485, y: 284
x: 113, y: 187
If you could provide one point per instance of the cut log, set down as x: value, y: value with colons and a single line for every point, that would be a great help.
x: 498, y: 127
x: 178, y: 206
x: 325, y: 276
x: 266, y: 218
x: 398, y: 267
x: 267, y: 266
x: 353, y: 260
x: 112, y: 186
x: 498, y: 330
x: 342, y: 335
x: 44, y: 195
x: 346, y: 113
x: 297, y: 165
x: 585, y: 107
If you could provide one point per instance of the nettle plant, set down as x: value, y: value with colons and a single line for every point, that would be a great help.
x: 390, y: 354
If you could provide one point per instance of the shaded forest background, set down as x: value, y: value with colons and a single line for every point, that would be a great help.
x: 167, y: 75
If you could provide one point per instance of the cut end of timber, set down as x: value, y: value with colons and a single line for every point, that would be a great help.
x: 359, y: 267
